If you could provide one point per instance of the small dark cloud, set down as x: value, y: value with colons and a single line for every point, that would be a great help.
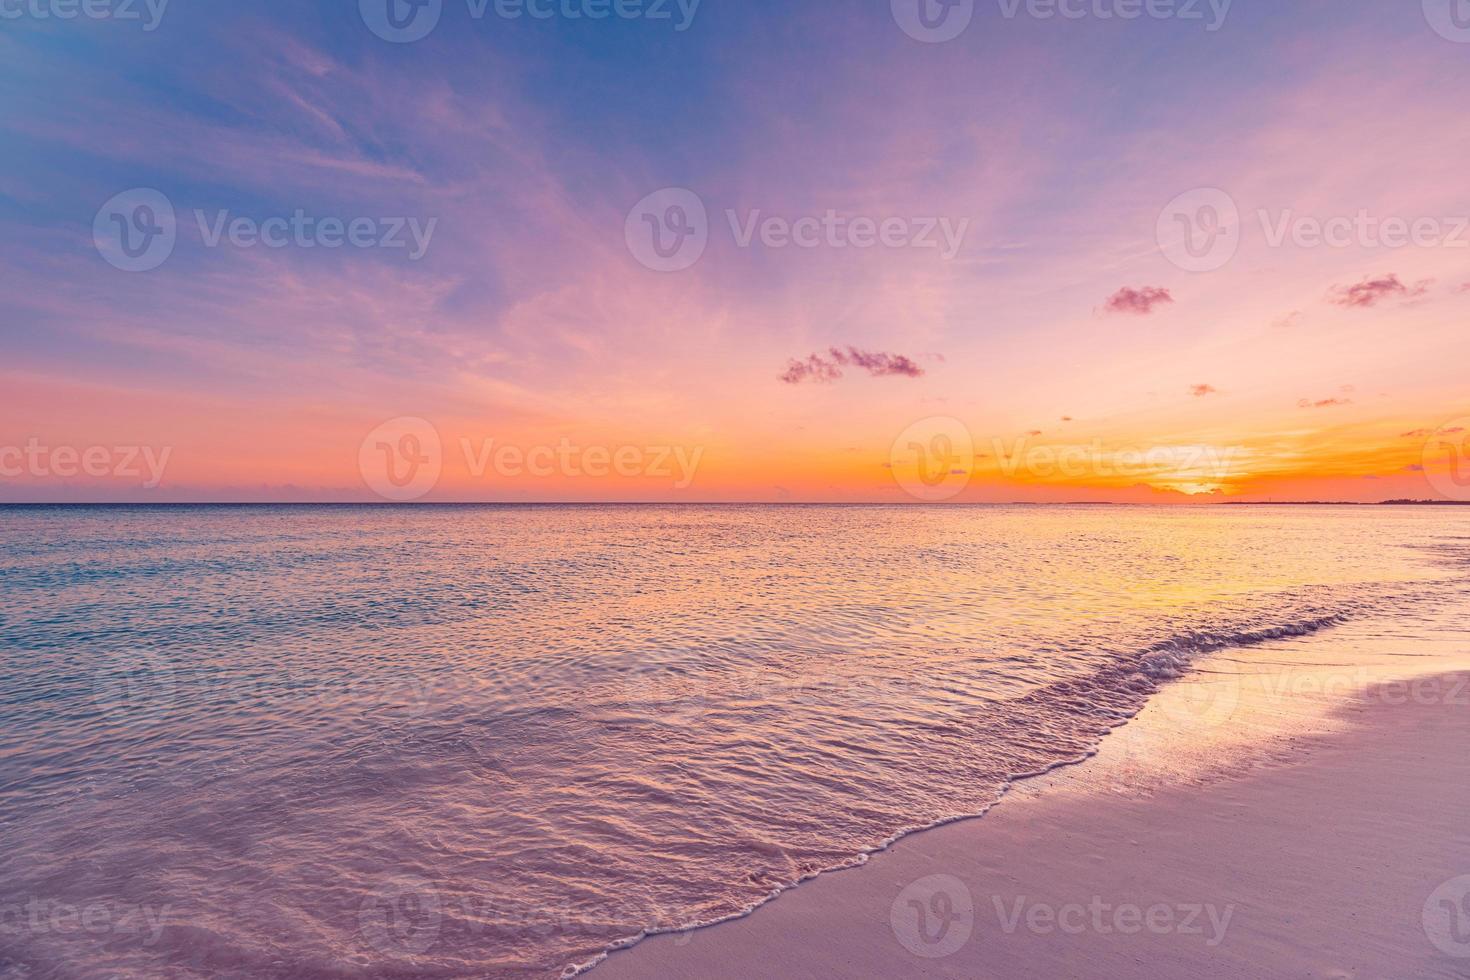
x: 1034, y: 432
x: 1067, y: 418
x: 1416, y: 434
x: 1200, y: 391
x: 1323, y: 403
x: 811, y: 369
x: 1414, y: 468
x: 1370, y: 292
x: 1139, y: 302
x: 827, y: 368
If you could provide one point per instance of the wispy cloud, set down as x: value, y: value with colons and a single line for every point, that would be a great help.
x: 1323, y: 403
x: 828, y: 368
x: 1200, y: 391
x: 1370, y: 292
x: 814, y: 368
x: 1140, y: 302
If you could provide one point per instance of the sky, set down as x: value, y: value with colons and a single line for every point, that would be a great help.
x: 734, y: 251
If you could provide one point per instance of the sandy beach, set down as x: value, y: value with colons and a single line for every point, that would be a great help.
x: 1293, y: 810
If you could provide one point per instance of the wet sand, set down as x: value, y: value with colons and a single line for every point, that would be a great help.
x: 1297, y: 810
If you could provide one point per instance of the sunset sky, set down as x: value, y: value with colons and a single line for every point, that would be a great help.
x: 1056, y: 323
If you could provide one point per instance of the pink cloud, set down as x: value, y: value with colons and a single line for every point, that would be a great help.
x: 1200, y: 391
x: 1140, y: 302
x: 1370, y: 291
x: 879, y: 364
x: 1324, y: 403
x: 811, y: 369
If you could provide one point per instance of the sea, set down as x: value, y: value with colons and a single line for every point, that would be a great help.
x: 499, y: 741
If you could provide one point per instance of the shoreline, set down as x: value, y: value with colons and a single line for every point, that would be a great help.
x: 1196, y: 820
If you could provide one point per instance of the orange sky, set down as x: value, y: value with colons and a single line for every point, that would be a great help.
x: 1068, y: 301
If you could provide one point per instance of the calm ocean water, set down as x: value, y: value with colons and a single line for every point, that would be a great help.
x: 492, y: 741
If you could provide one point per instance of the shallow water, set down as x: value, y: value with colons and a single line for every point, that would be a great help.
x: 491, y: 741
